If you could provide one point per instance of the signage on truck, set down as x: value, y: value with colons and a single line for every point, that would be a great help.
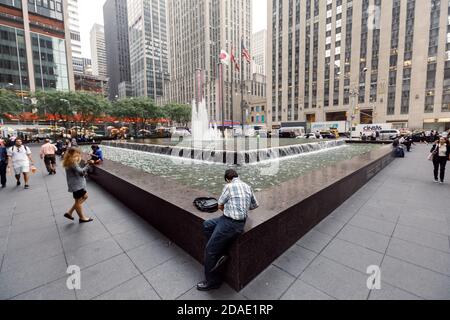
x: 341, y: 126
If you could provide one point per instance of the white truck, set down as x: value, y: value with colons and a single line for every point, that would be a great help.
x: 341, y: 126
x: 368, y: 129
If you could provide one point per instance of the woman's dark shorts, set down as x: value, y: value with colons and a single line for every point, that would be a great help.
x: 79, y: 194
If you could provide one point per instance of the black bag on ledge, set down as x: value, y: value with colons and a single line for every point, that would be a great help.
x: 209, y: 205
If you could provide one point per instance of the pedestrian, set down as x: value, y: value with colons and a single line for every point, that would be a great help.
x: 76, y: 182
x: 440, y: 154
x: 236, y: 200
x: 19, y: 156
x: 3, y: 163
x: 48, y: 154
x: 96, y: 155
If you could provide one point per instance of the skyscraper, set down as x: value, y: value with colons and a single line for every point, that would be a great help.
x: 75, y: 36
x: 199, y: 30
x: 259, y: 47
x: 381, y: 61
x: 98, y: 51
x: 35, y: 44
x: 149, y: 56
x: 115, y: 17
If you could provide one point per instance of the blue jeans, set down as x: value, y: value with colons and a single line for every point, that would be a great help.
x: 220, y: 233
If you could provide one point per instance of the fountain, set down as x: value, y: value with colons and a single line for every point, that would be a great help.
x: 298, y: 184
x: 200, y: 127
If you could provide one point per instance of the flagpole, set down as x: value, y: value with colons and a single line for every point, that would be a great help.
x: 242, y: 85
x: 232, y: 91
x: 222, y: 97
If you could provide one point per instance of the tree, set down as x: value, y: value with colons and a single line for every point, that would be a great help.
x: 9, y: 102
x: 138, y: 110
x: 178, y: 113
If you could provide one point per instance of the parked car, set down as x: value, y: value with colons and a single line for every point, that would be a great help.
x: 307, y: 136
x: 390, y: 134
x: 327, y: 135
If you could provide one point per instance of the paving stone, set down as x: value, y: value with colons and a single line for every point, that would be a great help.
x: 376, y: 225
x: 137, y: 237
x: 85, y: 234
x: 153, y: 254
x: 135, y: 289
x: 425, y: 238
x: 223, y: 293
x: 425, y: 257
x: 18, y: 241
x: 303, y: 291
x: 105, y: 276
x: 336, y: 280
x: 56, y: 290
x: 93, y: 253
x: 330, y: 226
x: 314, y: 241
x: 422, y: 282
x: 295, y: 260
x: 365, y: 238
x: 15, y: 258
x: 352, y: 255
x: 175, y: 277
x: 269, y: 285
x: 425, y: 224
x: 31, y: 276
x: 389, y: 293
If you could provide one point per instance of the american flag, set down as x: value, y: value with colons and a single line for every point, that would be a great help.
x: 245, y: 52
x: 233, y: 60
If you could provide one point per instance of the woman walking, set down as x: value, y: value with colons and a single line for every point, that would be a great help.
x: 440, y: 155
x: 77, y: 183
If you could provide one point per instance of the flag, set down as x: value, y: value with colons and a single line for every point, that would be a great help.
x: 224, y: 57
x: 245, y: 52
x: 233, y: 59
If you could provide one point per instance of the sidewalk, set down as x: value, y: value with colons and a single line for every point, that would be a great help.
x: 399, y: 221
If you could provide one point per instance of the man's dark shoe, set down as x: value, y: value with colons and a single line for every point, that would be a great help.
x: 206, y: 286
x: 27, y: 186
x: 220, y: 263
x: 18, y: 183
x: 3, y: 185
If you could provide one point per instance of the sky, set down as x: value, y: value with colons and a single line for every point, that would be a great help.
x: 91, y: 11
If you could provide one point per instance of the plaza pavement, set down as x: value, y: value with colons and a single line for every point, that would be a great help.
x: 399, y: 221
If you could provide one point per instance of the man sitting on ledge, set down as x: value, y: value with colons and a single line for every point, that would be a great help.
x: 236, y: 201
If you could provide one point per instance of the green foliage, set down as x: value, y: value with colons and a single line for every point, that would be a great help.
x: 9, y: 102
x: 62, y: 104
x: 142, y: 109
x: 179, y: 113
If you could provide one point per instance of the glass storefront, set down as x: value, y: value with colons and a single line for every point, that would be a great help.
x: 13, y: 60
x: 50, y: 63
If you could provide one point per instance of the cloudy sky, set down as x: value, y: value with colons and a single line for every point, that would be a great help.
x: 91, y: 11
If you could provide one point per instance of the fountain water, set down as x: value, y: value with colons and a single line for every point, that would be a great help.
x: 201, y: 129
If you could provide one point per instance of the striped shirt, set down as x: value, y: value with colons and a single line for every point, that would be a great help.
x: 237, y: 198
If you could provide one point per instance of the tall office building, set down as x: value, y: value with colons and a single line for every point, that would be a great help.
x: 199, y: 30
x: 35, y: 46
x: 75, y: 36
x: 98, y: 51
x: 149, y: 56
x: 117, y: 46
x: 259, y: 48
x: 387, y: 60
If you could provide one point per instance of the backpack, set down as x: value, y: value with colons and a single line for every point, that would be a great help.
x: 209, y: 205
x: 399, y: 152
